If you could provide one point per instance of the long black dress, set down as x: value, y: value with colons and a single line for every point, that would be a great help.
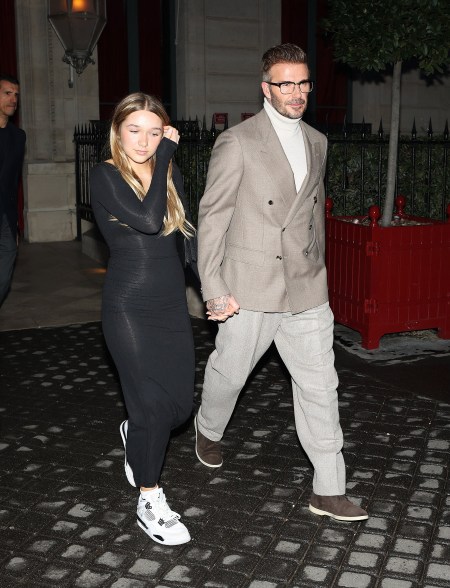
x: 144, y: 313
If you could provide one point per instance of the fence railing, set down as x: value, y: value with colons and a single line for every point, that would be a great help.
x: 355, y: 176
x: 91, y: 147
x: 357, y: 166
x: 192, y: 157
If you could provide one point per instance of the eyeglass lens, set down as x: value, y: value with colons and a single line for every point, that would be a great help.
x: 288, y: 87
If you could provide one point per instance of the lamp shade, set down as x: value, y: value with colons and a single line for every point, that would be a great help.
x: 78, y: 25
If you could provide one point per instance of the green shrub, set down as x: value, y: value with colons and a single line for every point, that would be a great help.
x: 356, y: 175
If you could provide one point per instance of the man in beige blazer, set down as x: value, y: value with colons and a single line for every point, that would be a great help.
x: 261, y: 263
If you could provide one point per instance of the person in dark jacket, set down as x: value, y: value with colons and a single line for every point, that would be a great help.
x: 12, y: 149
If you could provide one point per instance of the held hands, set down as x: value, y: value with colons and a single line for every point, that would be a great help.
x: 171, y: 133
x: 221, y: 308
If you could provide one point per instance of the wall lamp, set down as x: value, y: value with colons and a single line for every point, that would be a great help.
x: 78, y: 25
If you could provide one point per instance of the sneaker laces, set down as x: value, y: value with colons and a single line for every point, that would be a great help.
x: 164, y: 510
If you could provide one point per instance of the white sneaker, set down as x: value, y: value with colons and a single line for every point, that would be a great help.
x: 160, y: 523
x: 128, y: 471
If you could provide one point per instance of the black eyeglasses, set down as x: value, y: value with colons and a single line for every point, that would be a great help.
x: 306, y: 86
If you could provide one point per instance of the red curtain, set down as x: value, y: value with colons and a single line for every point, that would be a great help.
x: 8, y: 65
x: 331, y: 76
x: 8, y: 61
x: 113, y: 53
x: 150, y: 40
x: 294, y: 22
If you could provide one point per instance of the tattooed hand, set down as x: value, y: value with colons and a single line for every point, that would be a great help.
x: 221, y: 308
x: 218, y: 305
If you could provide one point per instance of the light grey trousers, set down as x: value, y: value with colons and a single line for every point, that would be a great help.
x: 305, y: 344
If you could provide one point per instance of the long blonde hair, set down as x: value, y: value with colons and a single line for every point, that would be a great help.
x: 175, y: 217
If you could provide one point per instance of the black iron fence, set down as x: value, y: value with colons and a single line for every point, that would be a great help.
x: 91, y: 147
x: 192, y: 157
x: 356, y: 167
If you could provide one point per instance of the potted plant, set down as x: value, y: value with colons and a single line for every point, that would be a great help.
x: 387, y: 276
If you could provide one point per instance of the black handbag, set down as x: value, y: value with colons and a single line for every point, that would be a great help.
x: 187, y: 246
x: 187, y: 250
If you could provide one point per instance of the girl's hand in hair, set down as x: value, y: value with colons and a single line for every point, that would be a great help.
x: 171, y: 133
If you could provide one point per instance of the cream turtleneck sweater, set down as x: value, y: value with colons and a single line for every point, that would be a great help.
x: 291, y: 138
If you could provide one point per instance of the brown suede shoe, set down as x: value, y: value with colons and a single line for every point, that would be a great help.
x: 336, y: 507
x: 208, y: 452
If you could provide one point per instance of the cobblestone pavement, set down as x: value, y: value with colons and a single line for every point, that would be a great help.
x: 67, y: 512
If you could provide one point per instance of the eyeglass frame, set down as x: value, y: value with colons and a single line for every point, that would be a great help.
x: 279, y: 84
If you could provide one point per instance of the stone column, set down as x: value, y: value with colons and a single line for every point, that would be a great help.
x: 49, y: 110
x: 219, y: 49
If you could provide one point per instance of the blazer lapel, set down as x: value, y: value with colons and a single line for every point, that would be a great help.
x: 275, y: 161
x: 313, y: 163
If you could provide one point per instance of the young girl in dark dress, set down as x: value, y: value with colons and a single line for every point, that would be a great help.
x: 138, y: 202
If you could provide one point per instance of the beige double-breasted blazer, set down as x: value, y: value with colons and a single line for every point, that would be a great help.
x: 259, y: 239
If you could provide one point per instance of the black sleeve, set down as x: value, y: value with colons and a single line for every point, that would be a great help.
x: 110, y: 191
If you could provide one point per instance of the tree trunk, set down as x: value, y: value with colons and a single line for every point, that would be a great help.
x: 393, y: 146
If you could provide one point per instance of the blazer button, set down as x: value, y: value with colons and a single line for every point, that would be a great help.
x: 310, y: 227
x: 279, y: 257
x: 271, y: 202
x: 315, y: 198
x: 283, y: 229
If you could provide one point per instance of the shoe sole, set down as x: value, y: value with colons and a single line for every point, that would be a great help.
x: 128, y: 471
x: 324, y: 513
x: 161, y: 542
x: 208, y: 465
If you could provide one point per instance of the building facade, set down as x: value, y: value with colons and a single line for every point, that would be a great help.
x: 201, y: 56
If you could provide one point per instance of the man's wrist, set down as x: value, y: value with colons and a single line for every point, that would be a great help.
x: 219, y: 304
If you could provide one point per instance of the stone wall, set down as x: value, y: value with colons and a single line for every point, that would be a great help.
x: 419, y: 101
x: 219, y: 49
x: 49, y: 111
x: 218, y: 52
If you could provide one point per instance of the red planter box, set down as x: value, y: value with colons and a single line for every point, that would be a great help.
x: 388, y: 279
